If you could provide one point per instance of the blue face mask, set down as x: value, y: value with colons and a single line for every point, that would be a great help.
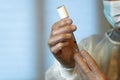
x: 112, y: 12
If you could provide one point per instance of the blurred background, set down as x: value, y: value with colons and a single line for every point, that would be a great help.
x: 25, y: 27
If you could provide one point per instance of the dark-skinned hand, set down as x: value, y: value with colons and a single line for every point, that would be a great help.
x: 60, y: 34
x: 87, y: 65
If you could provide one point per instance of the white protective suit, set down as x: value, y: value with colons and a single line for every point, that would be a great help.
x: 104, y: 50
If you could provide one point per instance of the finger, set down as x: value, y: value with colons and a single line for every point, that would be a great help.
x: 58, y: 47
x: 62, y: 23
x: 85, y: 75
x: 81, y: 63
x: 59, y: 38
x: 65, y: 29
x: 90, y: 61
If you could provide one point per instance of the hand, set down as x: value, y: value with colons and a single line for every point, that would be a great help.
x: 60, y: 34
x: 88, y: 66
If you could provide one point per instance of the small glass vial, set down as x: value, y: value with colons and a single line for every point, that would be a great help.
x: 72, y: 48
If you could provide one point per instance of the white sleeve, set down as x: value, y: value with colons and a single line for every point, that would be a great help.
x: 58, y: 72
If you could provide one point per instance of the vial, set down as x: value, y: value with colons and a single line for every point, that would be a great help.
x: 72, y: 47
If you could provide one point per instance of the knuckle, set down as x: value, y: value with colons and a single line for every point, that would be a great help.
x: 68, y: 28
x: 56, y: 48
x: 62, y: 36
x: 60, y: 45
x: 55, y: 25
x: 53, y: 32
x: 52, y: 50
x: 62, y: 23
x: 71, y: 21
x: 49, y: 42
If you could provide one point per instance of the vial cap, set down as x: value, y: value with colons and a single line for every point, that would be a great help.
x: 62, y: 12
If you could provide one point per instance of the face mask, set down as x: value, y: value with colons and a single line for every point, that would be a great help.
x: 112, y: 12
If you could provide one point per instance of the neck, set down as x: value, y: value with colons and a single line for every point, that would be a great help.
x: 115, y: 35
x: 118, y: 30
